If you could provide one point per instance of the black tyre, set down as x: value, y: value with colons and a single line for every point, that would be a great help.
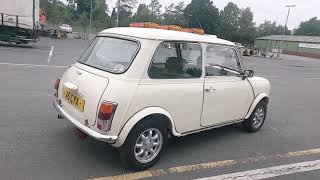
x: 257, y: 118
x: 144, y: 145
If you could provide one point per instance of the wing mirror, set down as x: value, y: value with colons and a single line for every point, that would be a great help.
x: 247, y: 74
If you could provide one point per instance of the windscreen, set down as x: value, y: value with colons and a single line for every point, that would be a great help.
x: 110, y: 54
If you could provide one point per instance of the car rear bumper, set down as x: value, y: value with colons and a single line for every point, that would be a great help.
x: 83, y: 128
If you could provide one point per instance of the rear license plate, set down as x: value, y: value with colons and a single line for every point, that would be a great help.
x: 74, y: 99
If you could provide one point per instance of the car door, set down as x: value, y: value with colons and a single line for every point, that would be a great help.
x: 226, y: 94
x: 174, y: 83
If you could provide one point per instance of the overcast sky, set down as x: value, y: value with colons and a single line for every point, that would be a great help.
x: 263, y: 9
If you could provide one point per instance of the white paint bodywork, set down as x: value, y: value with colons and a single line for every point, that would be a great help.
x: 184, y: 102
x: 141, y: 115
x: 261, y: 89
x: 229, y: 101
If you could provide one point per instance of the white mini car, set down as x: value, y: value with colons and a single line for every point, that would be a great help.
x: 133, y: 88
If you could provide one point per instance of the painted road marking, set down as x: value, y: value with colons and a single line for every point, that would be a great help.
x: 73, y: 51
x: 284, y: 77
x: 209, y: 165
x: 32, y: 65
x: 269, y: 172
x: 23, y: 49
x: 50, y: 54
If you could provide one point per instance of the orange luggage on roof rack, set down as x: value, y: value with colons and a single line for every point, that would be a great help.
x: 144, y: 25
x: 193, y: 30
x: 170, y: 27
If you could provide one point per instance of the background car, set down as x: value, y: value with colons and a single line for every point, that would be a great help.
x: 66, y: 27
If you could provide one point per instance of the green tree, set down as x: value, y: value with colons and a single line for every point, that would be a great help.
x: 125, y: 12
x: 309, y: 28
x: 174, y: 14
x: 229, y: 25
x: 143, y: 14
x: 84, y: 21
x: 84, y: 6
x: 100, y: 17
x: 57, y: 12
x: 203, y: 14
x: 271, y: 28
x: 247, y: 30
x: 155, y: 11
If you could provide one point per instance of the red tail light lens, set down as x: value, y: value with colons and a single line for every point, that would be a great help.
x: 57, y: 83
x: 105, y: 115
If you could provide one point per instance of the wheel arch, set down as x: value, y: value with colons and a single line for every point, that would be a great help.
x: 146, y: 114
x: 260, y: 97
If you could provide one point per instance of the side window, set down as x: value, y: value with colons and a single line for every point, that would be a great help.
x: 221, y: 61
x: 175, y: 60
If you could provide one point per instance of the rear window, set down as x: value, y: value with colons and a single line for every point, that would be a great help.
x: 110, y: 54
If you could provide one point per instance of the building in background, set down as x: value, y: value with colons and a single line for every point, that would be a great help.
x: 308, y: 46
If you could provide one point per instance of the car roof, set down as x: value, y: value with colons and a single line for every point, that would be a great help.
x: 168, y: 35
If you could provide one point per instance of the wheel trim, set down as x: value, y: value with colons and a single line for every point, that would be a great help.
x: 258, y: 118
x: 148, y: 145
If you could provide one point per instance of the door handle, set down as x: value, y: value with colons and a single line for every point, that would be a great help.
x: 209, y: 89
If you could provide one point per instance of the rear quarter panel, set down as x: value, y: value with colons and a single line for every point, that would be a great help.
x: 122, y: 88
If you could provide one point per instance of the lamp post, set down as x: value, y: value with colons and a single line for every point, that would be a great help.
x: 189, y: 15
x: 117, y: 20
x: 285, y: 25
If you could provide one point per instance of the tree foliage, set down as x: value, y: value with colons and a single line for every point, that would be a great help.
x: 309, y: 28
x: 247, y: 29
x: 57, y: 12
x: 125, y: 12
x: 229, y: 18
x: 271, y: 28
x: 83, y: 20
x: 100, y: 17
x: 231, y: 23
x: 143, y: 14
x: 202, y: 13
x: 155, y: 11
x: 174, y: 14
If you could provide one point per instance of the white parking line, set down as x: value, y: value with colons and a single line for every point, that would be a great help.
x: 269, y: 172
x: 32, y: 65
x: 73, y: 51
x: 50, y: 54
x: 22, y: 49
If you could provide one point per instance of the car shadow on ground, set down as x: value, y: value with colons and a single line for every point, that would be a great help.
x: 103, y: 156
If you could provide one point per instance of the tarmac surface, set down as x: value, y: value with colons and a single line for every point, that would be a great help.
x: 34, y: 144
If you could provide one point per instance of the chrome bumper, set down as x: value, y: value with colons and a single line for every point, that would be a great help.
x: 85, y: 129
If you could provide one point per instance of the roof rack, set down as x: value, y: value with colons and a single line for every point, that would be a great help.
x: 166, y: 27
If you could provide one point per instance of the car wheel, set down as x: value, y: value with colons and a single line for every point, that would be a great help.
x: 144, y: 145
x: 257, y: 118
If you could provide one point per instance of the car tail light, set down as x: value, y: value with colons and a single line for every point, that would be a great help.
x: 105, y: 115
x: 57, y: 83
x: 56, y: 87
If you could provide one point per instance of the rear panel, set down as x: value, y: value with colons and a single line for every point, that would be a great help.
x: 84, y: 87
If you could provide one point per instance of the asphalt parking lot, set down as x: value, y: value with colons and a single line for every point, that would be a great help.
x: 34, y: 144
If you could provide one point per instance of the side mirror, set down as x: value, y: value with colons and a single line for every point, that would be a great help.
x: 247, y: 73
